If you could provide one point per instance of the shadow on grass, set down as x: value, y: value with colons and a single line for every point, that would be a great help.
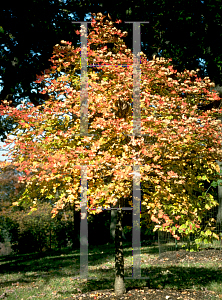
x: 32, y: 267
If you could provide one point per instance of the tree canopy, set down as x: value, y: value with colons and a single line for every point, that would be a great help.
x: 50, y: 150
x: 185, y: 32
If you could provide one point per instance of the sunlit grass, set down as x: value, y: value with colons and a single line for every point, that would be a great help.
x: 57, y: 276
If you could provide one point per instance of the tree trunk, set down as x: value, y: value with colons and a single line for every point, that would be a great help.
x: 119, y: 285
x: 113, y: 224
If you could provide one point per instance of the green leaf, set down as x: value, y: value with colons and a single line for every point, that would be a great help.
x: 208, y: 232
x: 11, y: 36
x: 68, y: 179
x: 197, y: 241
x: 205, y: 178
x: 216, y: 183
x: 207, y: 206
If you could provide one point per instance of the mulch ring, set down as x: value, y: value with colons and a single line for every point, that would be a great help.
x: 174, y: 257
x: 170, y: 257
x: 149, y: 294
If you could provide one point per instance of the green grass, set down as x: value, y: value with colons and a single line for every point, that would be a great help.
x: 56, y: 275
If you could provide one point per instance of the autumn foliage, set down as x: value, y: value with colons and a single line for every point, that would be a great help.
x: 177, y: 149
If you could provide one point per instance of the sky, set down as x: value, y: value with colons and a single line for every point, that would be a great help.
x: 3, y: 150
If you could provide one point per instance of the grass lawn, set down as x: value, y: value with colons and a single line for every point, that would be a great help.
x: 56, y: 275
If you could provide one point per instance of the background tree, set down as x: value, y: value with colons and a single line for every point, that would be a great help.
x: 28, y: 32
x: 10, y: 190
x: 36, y: 232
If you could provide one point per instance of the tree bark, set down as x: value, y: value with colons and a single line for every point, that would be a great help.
x: 113, y: 224
x: 119, y: 285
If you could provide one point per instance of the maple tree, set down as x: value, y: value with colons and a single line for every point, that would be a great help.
x: 176, y: 151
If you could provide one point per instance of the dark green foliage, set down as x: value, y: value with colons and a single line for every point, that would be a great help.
x: 98, y: 226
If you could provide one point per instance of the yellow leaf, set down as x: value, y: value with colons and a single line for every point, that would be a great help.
x: 94, y: 76
x: 217, y: 168
x: 156, y: 157
x: 207, y: 206
x: 32, y: 209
